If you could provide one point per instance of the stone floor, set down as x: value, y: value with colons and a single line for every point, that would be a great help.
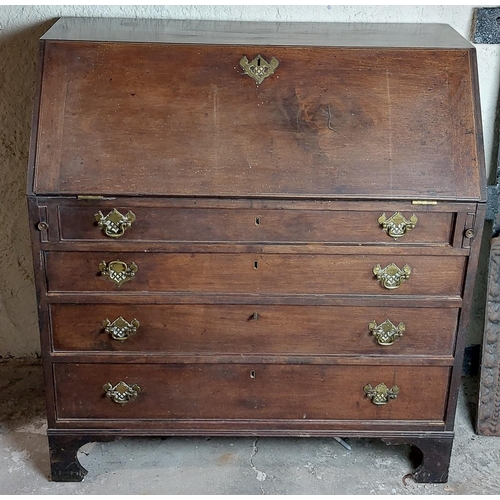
x: 228, y: 465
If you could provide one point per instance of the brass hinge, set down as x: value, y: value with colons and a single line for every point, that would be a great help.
x: 424, y: 202
x: 89, y: 197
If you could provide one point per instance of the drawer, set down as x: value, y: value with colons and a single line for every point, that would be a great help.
x: 206, y: 329
x: 245, y: 391
x: 258, y: 225
x: 334, y: 122
x: 237, y: 273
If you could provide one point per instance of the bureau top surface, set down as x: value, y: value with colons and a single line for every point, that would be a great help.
x: 257, y: 33
x: 190, y: 117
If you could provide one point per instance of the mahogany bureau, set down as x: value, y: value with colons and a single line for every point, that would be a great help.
x: 254, y: 229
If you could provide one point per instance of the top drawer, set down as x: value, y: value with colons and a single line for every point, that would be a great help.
x: 220, y: 225
x: 128, y: 119
x: 111, y: 222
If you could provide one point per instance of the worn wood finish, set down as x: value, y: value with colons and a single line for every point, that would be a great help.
x: 217, y: 391
x: 157, y: 116
x: 208, y: 129
x: 275, y: 226
x: 433, y: 460
x: 243, y: 273
x: 233, y: 329
x: 193, y: 31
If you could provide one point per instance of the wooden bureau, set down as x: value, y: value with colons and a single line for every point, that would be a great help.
x: 254, y: 229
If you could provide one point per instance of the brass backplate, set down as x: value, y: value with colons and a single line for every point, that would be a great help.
x: 381, y: 394
x: 397, y: 225
x: 259, y: 69
x: 121, y: 393
x: 391, y: 277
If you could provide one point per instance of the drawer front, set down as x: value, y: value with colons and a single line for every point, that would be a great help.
x: 243, y: 391
x: 264, y: 225
x: 250, y: 273
x: 253, y: 329
x: 329, y: 122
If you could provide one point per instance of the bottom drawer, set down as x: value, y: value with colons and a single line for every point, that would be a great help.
x: 243, y: 391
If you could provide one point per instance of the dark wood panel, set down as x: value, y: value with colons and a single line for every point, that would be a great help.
x: 206, y: 129
x: 247, y: 273
x: 218, y: 225
x: 249, y: 392
x: 252, y: 330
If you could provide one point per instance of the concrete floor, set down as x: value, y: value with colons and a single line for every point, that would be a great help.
x: 228, y: 465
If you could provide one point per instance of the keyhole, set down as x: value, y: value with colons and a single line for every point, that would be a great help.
x: 256, y: 265
x: 252, y: 373
x: 258, y: 61
x: 257, y: 221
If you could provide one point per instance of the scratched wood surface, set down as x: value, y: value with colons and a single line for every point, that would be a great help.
x: 361, y: 122
x: 236, y: 330
x: 240, y: 273
x: 218, y: 391
x: 195, y: 31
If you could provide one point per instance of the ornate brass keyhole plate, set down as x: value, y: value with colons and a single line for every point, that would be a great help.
x: 387, y: 332
x: 120, y: 329
x: 391, y: 277
x: 259, y: 69
x: 381, y: 394
x: 114, y: 224
x: 397, y: 225
x: 117, y: 271
x: 121, y: 393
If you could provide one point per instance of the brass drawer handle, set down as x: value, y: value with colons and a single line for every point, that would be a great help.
x: 391, y: 276
x: 397, y: 225
x: 258, y: 68
x: 121, y: 393
x: 117, y: 271
x: 387, y: 332
x: 114, y: 224
x: 381, y: 394
x: 120, y: 329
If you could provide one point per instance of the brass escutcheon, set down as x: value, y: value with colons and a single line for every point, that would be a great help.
x: 121, y: 393
x: 117, y: 271
x: 120, y: 329
x: 387, y: 332
x: 258, y: 68
x: 397, y: 225
x: 114, y: 224
x: 391, y: 276
x: 381, y: 394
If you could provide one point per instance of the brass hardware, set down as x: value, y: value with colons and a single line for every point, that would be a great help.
x: 121, y: 393
x: 42, y: 226
x: 252, y: 373
x: 397, y: 225
x: 117, y: 271
x: 424, y: 202
x: 387, y: 332
x: 259, y: 68
x: 381, y: 394
x: 470, y: 233
x: 391, y: 276
x: 120, y: 329
x: 255, y: 316
x: 114, y: 224
x: 89, y: 197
